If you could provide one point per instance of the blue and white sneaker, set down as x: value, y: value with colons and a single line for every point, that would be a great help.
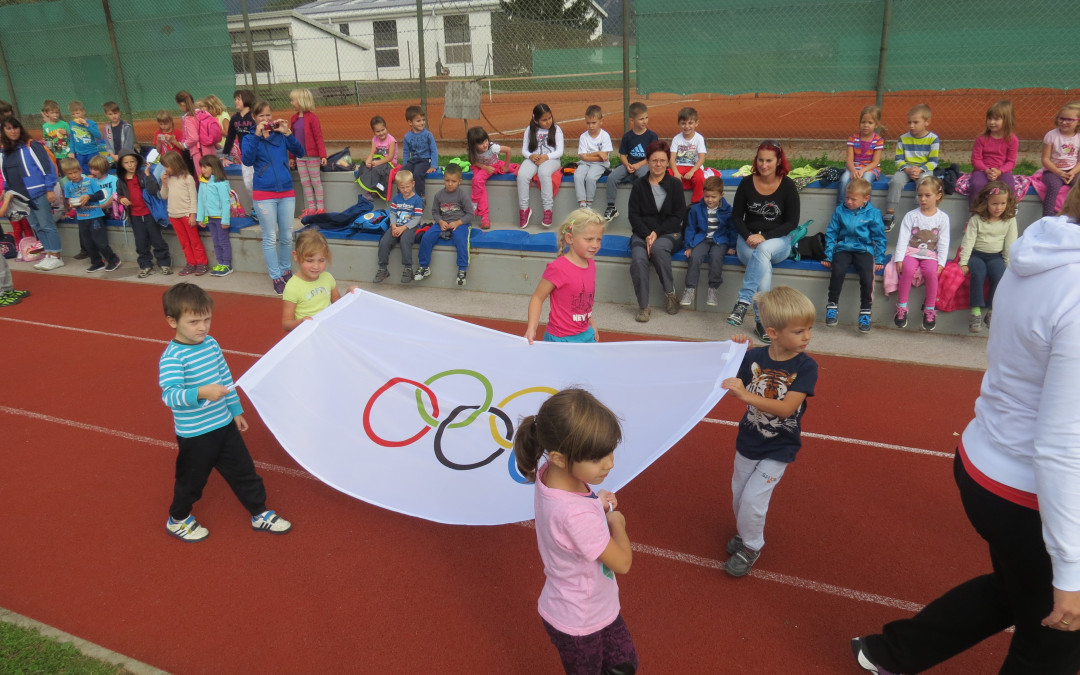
x: 864, y: 321
x: 831, y: 311
x: 187, y: 529
x: 270, y: 521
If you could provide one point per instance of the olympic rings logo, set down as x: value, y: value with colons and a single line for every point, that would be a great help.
x: 503, y: 440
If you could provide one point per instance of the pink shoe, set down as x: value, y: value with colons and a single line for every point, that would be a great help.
x: 547, y: 218
x: 524, y: 218
x: 485, y: 223
x: 318, y: 211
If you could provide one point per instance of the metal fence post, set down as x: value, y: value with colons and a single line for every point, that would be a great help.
x: 9, y: 80
x: 250, y: 49
x: 337, y: 59
x: 116, y: 60
x: 883, y: 54
x: 626, y: 64
x: 420, y: 53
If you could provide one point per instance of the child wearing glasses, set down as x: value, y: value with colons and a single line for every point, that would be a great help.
x: 1061, y: 149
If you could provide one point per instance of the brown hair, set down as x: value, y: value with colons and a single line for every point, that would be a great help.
x: 920, y: 109
x: 98, y: 163
x: 412, y: 112
x: 573, y: 423
x: 713, y: 184
x: 174, y: 163
x: 50, y: 106
x: 637, y: 109
x: 110, y: 106
x: 216, y: 170
x: 1003, y: 110
x: 934, y: 182
x: 184, y: 97
x: 688, y: 114
x: 165, y: 116
x: 246, y: 96
x: 593, y: 112
x: 981, y: 207
x: 186, y: 297
x: 1071, y: 207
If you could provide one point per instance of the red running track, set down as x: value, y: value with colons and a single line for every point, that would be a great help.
x: 858, y: 534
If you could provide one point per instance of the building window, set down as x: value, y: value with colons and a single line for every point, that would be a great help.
x: 262, y: 62
x: 458, y: 47
x: 259, y: 35
x: 386, y: 44
x: 343, y: 28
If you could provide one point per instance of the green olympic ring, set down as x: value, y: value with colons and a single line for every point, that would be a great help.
x: 488, y: 394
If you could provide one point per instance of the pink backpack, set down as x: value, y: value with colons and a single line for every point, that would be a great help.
x: 209, y: 128
x: 30, y: 250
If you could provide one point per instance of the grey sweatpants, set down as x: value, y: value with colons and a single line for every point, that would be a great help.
x: 752, y: 485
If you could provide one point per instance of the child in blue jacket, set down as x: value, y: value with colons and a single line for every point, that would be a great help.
x: 214, y: 210
x: 708, y: 233
x: 855, y: 236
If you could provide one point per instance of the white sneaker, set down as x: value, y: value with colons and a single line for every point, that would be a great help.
x: 712, y: 298
x: 271, y: 522
x: 187, y: 529
x: 50, y: 263
x: 688, y: 297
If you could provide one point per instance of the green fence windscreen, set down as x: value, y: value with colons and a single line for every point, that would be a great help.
x: 781, y: 46
x: 60, y: 50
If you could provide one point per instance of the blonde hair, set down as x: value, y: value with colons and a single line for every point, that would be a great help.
x: 1071, y: 105
x: 859, y: 186
x: 783, y: 306
x: 77, y: 106
x: 213, y: 105
x: 402, y: 177
x: 304, y: 99
x: 165, y: 116
x: 1002, y: 110
x: 579, y: 218
x: 934, y: 182
x: 920, y: 109
x: 310, y: 242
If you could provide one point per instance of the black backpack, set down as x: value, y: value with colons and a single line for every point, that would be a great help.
x: 812, y: 247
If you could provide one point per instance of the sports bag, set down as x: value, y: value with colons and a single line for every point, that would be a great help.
x: 8, y: 247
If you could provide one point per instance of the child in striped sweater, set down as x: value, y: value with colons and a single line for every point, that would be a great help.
x: 917, y: 155
x: 197, y: 386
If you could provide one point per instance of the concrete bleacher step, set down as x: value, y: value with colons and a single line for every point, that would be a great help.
x: 507, y: 259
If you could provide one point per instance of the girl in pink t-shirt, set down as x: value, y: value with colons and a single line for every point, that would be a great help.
x: 1061, y: 155
x: 570, y: 281
x: 993, y: 156
x: 582, y: 538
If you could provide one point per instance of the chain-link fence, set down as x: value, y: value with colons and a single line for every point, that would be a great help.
x: 752, y: 68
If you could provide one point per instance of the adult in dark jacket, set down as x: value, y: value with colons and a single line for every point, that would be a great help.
x: 656, y: 212
x: 133, y: 178
x: 765, y: 212
x: 29, y: 172
x: 267, y: 149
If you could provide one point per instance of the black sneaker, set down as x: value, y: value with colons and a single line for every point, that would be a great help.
x: 762, y: 335
x: 113, y: 266
x: 611, y: 213
x: 739, y: 564
x: 890, y: 220
x: 901, y: 317
x: 862, y: 658
x: 738, y: 313
x: 461, y: 278
x: 95, y: 268
x: 929, y: 319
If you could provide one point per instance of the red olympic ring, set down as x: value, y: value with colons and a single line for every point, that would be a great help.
x: 371, y: 402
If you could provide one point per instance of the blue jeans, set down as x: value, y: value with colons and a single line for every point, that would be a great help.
x: 982, y: 265
x: 41, y: 221
x: 460, y: 239
x: 759, y: 263
x: 276, y: 221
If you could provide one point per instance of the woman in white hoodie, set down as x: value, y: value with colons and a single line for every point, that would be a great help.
x: 1018, y: 470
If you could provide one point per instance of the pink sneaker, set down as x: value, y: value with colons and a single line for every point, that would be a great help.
x: 547, y: 218
x: 523, y: 220
x: 485, y: 223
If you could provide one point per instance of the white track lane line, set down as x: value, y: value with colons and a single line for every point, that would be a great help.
x: 709, y: 420
x: 851, y: 441
x: 785, y: 579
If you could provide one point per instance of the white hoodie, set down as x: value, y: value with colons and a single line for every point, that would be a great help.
x: 1026, y: 431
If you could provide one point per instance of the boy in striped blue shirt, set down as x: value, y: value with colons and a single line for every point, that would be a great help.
x: 917, y: 153
x: 197, y: 385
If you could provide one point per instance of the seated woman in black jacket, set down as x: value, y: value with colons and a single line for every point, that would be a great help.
x: 656, y: 212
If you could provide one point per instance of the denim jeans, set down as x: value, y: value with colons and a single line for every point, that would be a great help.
x: 276, y: 221
x: 41, y: 220
x: 759, y: 263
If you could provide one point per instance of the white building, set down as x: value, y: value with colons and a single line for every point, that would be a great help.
x: 348, y: 40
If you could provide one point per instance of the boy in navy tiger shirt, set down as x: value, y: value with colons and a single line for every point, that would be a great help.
x: 774, y: 382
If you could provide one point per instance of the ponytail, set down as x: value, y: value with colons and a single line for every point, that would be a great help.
x: 527, y: 448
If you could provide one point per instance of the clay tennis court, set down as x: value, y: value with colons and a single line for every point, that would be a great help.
x: 866, y: 528
x: 958, y: 114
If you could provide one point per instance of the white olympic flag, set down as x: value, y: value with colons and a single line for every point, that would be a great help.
x: 415, y: 412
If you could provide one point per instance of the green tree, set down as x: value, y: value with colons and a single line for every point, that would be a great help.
x: 525, y: 26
